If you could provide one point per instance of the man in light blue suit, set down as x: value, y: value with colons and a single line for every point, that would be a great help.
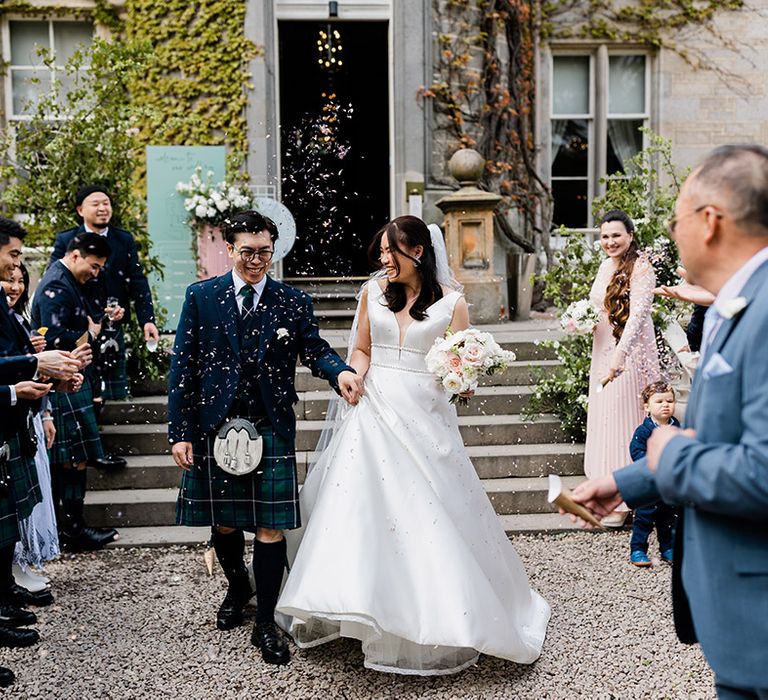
x: 716, y: 470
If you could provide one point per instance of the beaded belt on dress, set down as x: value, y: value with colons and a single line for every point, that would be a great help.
x: 400, y: 351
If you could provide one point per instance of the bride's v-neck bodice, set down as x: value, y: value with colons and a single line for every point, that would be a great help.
x: 386, y: 348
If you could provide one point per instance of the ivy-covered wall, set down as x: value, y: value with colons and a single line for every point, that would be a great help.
x: 200, y: 69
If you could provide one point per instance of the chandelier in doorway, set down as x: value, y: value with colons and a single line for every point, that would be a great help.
x: 329, y: 48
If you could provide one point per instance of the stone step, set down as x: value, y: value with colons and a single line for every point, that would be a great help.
x: 490, y: 461
x: 312, y: 405
x: 152, y: 438
x: 170, y: 535
x: 157, y: 507
x: 335, y: 318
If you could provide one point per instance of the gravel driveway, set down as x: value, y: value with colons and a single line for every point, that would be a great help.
x: 139, y: 623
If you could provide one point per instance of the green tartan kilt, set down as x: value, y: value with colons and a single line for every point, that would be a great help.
x: 20, y: 497
x: 210, y: 496
x: 77, y: 432
x: 115, y: 378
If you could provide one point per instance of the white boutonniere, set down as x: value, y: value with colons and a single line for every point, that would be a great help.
x: 282, y: 332
x: 730, y: 308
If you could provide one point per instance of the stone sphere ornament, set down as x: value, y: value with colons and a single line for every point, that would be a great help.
x: 467, y: 166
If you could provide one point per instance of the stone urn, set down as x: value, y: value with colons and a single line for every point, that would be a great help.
x: 212, y: 257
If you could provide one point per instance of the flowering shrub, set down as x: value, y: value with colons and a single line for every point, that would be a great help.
x: 460, y: 359
x: 649, y: 203
x: 211, y: 204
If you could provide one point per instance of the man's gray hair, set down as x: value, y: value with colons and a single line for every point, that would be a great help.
x: 741, y: 173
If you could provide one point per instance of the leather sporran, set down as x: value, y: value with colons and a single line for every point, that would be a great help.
x: 237, y: 447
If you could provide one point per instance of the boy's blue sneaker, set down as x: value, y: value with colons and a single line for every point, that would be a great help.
x: 668, y: 555
x: 639, y: 558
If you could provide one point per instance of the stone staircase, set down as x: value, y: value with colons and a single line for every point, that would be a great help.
x: 512, y: 455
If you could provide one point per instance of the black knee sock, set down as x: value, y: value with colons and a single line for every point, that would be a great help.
x: 229, y: 551
x: 6, y: 564
x: 268, y: 566
x: 72, y: 495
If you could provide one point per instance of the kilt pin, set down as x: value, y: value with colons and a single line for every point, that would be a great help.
x: 222, y: 367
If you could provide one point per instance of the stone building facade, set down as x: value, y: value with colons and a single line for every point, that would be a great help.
x: 591, y: 97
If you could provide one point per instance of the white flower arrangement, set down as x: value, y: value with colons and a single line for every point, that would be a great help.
x: 209, y: 203
x: 459, y: 360
x: 580, y: 318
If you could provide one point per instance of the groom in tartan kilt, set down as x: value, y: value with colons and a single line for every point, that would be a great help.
x: 237, y: 343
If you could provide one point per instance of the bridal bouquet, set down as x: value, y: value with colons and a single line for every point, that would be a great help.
x: 459, y: 360
x: 580, y: 318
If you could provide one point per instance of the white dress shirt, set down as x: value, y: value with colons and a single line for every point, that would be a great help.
x: 258, y: 288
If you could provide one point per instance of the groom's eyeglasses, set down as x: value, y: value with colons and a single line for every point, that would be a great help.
x: 248, y: 255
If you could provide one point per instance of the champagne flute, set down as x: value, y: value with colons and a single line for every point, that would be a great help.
x: 112, y: 304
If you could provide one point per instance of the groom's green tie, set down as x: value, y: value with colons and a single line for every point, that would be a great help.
x: 247, y: 293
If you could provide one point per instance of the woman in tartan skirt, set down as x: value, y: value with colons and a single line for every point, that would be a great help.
x: 61, y: 306
x: 237, y: 344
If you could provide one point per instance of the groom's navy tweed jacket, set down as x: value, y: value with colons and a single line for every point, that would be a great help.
x: 720, y: 481
x: 205, y: 366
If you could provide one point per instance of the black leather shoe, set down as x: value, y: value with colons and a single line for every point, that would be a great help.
x: 86, y: 539
x: 6, y: 677
x: 11, y: 615
x: 108, y: 462
x: 230, y: 614
x: 10, y: 637
x: 21, y: 597
x: 269, y: 639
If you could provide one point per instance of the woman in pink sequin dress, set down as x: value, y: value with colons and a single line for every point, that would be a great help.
x: 623, y: 351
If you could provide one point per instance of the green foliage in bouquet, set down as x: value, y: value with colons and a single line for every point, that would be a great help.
x: 647, y: 193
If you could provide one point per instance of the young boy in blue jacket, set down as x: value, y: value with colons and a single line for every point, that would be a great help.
x: 659, y: 403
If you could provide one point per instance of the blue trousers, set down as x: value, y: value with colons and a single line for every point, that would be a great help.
x: 660, y: 515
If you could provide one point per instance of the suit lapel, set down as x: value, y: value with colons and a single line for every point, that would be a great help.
x: 226, y: 307
x: 269, y: 303
x: 750, y: 291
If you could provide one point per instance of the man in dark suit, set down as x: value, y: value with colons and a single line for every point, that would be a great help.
x: 122, y: 278
x: 61, y: 305
x: 19, y: 488
x: 237, y: 343
x: 716, y: 470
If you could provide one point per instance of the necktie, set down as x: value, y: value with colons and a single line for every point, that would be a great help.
x: 247, y: 293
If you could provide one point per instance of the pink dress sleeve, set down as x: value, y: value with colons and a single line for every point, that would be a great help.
x: 640, y: 302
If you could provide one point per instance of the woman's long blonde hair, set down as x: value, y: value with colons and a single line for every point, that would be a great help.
x: 617, y: 292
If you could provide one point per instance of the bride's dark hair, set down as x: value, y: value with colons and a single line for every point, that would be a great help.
x: 409, y: 231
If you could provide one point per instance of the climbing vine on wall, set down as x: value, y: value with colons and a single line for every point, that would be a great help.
x: 484, y: 98
x: 656, y: 23
x: 484, y: 95
x: 199, y: 68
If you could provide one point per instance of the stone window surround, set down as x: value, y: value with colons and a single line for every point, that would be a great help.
x: 599, y: 55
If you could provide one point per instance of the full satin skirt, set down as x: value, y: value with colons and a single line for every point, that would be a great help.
x: 402, y: 548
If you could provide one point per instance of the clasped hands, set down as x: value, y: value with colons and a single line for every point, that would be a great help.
x: 351, y: 387
x: 602, y: 496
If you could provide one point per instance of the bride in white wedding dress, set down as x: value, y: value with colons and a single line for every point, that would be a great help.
x: 402, y: 548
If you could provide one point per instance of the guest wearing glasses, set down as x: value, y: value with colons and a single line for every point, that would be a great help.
x: 237, y: 343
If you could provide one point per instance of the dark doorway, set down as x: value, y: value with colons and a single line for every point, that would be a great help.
x: 334, y: 113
